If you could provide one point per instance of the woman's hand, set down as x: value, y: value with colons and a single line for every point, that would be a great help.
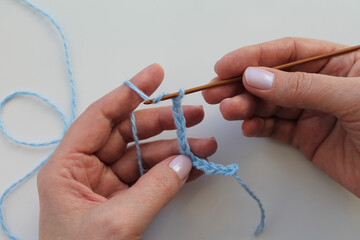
x: 314, y: 107
x: 91, y: 188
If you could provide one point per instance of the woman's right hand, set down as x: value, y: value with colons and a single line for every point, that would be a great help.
x: 314, y: 107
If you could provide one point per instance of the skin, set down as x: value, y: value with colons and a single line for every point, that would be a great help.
x: 314, y: 107
x: 91, y: 188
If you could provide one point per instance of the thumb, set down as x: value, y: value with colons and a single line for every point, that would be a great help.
x: 157, y: 187
x: 328, y: 94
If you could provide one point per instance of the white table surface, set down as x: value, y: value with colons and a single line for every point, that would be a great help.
x: 112, y: 40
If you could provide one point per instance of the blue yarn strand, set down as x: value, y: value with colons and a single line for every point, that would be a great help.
x: 45, y: 100
x: 138, y: 91
x: 137, y: 145
x: 133, y: 123
x: 67, y: 56
x: 184, y: 148
x: 142, y: 94
x: 49, y: 103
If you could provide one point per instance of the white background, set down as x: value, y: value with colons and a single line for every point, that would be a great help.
x: 112, y: 40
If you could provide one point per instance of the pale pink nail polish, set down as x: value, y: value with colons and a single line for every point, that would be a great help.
x: 181, y: 165
x: 259, y: 78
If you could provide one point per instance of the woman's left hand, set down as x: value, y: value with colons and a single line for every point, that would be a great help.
x: 91, y: 187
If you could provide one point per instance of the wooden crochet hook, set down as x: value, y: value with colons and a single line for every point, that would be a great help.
x: 238, y: 79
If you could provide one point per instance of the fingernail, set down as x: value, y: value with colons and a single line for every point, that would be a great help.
x: 259, y: 78
x: 181, y: 165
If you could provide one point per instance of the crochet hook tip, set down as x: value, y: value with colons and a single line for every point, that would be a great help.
x: 169, y: 96
x: 197, y: 89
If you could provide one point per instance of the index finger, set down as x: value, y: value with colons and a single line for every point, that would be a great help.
x: 91, y: 130
x: 268, y: 54
x: 273, y: 53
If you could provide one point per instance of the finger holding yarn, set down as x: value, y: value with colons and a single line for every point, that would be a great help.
x: 184, y: 147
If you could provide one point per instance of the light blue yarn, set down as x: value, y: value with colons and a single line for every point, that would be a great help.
x: 199, y: 163
x: 48, y: 102
x: 20, y: 93
x: 142, y: 94
x: 133, y: 124
x: 137, y: 145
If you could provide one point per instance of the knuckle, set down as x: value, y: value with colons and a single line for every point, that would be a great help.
x: 164, y: 185
x: 112, y: 225
x: 43, y: 178
x: 287, y: 39
x: 40, y: 174
x: 40, y: 179
x: 298, y: 85
x: 118, y: 227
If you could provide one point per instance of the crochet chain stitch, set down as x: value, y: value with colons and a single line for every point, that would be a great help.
x: 199, y: 163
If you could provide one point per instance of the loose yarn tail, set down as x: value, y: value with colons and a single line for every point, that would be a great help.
x: 261, y: 225
x: 49, y: 103
x: 184, y: 148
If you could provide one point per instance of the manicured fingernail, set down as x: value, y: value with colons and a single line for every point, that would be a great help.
x: 181, y: 165
x: 259, y: 78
